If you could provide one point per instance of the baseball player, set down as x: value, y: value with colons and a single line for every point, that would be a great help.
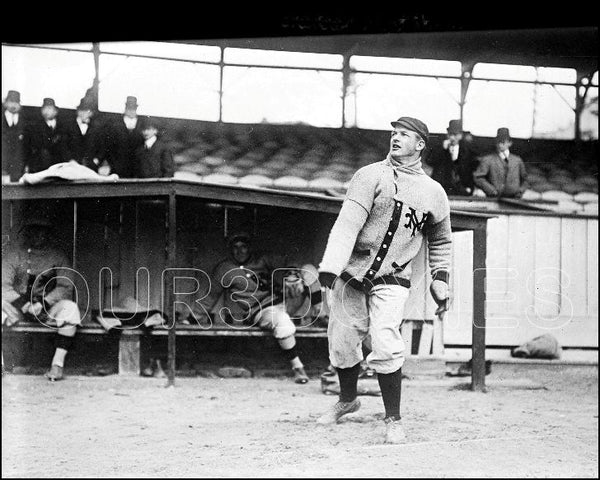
x: 36, y: 287
x: 390, y: 207
x: 252, y: 297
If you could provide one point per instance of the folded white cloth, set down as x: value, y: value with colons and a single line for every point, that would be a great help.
x: 71, y: 171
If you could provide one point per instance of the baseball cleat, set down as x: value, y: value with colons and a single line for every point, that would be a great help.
x: 394, y: 431
x: 339, y: 410
x: 300, y: 375
x: 55, y: 373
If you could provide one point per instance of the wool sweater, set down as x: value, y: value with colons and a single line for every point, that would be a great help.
x: 388, y: 210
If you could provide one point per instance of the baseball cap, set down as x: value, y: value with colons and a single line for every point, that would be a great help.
x: 413, y: 124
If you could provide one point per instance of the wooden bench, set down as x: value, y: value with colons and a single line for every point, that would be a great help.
x: 130, y: 339
x: 129, y: 361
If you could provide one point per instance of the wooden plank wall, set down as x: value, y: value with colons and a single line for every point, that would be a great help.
x: 542, y: 277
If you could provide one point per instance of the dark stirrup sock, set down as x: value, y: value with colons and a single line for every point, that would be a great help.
x: 291, y: 353
x: 348, y: 381
x: 391, y: 386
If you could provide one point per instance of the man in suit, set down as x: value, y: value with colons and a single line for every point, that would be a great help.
x: 501, y: 173
x: 13, y: 137
x: 83, y: 142
x: 45, y: 140
x: 124, y: 137
x: 153, y: 159
x: 454, y: 163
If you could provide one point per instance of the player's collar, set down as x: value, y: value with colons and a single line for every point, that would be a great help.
x: 414, y: 167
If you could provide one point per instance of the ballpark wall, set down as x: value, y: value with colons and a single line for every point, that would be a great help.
x: 542, y: 277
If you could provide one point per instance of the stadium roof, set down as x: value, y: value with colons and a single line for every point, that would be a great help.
x: 574, y: 47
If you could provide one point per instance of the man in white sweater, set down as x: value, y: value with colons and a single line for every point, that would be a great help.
x: 390, y: 207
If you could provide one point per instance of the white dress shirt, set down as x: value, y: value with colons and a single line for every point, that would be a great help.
x: 51, y: 123
x: 150, y: 142
x: 453, y: 152
x: 11, y: 118
x: 130, y: 122
x: 82, y: 126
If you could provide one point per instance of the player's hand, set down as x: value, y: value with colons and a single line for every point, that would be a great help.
x: 34, y: 308
x: 439, y: 292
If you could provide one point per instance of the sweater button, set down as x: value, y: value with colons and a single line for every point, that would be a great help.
x: 379, y: 259
x: 389, y: 233
x: 384, y: 245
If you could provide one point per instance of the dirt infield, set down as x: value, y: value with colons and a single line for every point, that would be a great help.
x: 535, y: 421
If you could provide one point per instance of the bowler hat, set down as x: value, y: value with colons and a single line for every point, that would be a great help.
x: 13, y: 96
x: 238, y: 237
x: 503, y: 134
x: 454, y: 127
x: 151, y: 122
x: 85, y: 104
x: 413, y: 124
x: 49, y: 102
x: 131, y: 102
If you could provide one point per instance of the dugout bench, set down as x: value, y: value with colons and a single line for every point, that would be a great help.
x: 306, y: 217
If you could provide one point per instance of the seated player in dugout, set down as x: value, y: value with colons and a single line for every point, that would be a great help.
x: 255, y: 292
x: 36, y: 287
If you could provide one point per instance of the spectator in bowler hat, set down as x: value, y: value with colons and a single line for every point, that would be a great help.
x: 45, y: 139
x: 13, y: 137
x: 124, y: 137
x: 153, y: 159
x: 454, y: 162
x: 84, y: 142
x: 501, y: 173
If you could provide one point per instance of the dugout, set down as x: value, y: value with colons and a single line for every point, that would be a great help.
x: 166, y: 225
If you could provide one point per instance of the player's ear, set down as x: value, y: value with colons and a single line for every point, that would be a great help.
x: 420, y: 145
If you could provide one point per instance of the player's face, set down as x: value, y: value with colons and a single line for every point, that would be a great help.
x: 240, y: 252
x: 405, y: 144
x: 131, y: 112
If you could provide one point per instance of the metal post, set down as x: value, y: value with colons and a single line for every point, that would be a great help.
x: 465, y: 80
x: 169, y: 293
x: 345, y: 83
x: 74, y: 251
x: 478, y: 341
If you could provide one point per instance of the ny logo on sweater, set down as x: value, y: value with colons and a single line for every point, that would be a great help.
x: 414, y: 222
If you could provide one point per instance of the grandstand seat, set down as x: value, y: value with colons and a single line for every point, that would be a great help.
x: 531, y: 195
x: 325, y: 183
x: 220, y: 178
x: 586, y: 197
x: 290, y: 181
x: 256, y: 180
x: 556, y: 195
x: 197, y: 168
x: 591, y: 208
x: 213, y: 160
x: 189, y: 176
x: 569, y: 206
